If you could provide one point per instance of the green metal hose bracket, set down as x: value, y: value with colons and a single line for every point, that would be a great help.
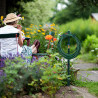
x: 68, y: 55
x: 77, y: 50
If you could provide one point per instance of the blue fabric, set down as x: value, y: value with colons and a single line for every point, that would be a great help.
x: 27, y: 52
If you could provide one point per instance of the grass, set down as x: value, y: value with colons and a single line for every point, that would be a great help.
x: 90, y: 69
x: 88, y: 58
x: 91, y: 86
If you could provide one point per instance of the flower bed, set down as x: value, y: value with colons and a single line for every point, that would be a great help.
x: 43, y: 75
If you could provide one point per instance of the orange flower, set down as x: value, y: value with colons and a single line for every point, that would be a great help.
x: 48, y: 37
x: 54, y: 39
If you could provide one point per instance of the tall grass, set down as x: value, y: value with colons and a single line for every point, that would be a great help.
x: 81, y: 28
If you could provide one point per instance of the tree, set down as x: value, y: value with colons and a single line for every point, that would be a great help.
x: 14, y: 6
x: 76, y: 9
x: 37, y: 12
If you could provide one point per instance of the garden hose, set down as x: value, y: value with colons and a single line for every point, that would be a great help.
x: 68, y: 55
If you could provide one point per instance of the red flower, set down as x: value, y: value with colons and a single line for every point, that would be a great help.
x: 54, y: 39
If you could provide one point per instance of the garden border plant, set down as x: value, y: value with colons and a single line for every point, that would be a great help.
x: 45, y: 74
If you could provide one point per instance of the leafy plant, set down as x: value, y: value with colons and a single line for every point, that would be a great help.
x: 90, y: 44
x: 46, y: 74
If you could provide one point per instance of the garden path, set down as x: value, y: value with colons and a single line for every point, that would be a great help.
x: 83, y: 73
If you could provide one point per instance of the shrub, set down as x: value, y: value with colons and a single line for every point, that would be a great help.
x: 90, y: 49
x: 91, y: 43
x: 81, y: 28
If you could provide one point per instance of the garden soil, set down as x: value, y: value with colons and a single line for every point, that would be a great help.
x: 65, y: 92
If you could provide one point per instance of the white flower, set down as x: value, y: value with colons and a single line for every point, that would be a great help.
x: 92, y: 50
x: 65, y: 60
x: 62, y: 60
x: 96, y: 48
x: 72, y: 60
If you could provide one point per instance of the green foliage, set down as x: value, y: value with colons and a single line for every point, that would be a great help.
x: 91, y: 43
x: 37, y: 12
x: 76, y: 9
x: 94, y: 68
x: 16, y: 73
x: 53, y: 74
x: 90, y: 49
x: 45, y: 74
x: 81, y: 28
x: 92, y: 86
x: 13, y: 6
x: 88, y: 57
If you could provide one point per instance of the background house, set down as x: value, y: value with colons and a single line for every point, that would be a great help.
x: 94, y: 16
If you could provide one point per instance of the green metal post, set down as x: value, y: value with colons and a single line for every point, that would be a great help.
x: 68, y: 70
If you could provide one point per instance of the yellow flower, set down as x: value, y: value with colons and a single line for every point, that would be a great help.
x: 60, y: 78
x: 31, y: 32
x: 43, y: 33
x: 43, y: 30
x: 39, y: 30
x: 34, y: 31
x: 54, y: 66
x: 27, y: 32
x: 22, y: 17
x: 54, y: 29
x: 53, y: 24
x: 28, y: 36
x: 41, y: 80
x: 51, y: 41
x: 30, y: 26
x: 22, y: 34
x: 23, y: 31
x: 27, y: 28
x: 35, y: 25
x: 1, y: 17
x: 40, y: 25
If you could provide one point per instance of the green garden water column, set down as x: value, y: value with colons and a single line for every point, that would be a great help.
x: 69, y: 55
